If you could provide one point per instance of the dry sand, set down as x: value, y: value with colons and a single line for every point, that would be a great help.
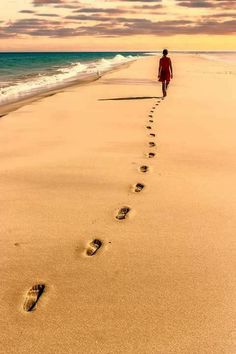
x: 163, y: 280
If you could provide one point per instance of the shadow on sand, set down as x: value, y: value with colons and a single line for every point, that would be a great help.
x: 129, y: 98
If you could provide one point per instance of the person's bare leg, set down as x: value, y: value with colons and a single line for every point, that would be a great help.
x: 164, y: 89
x: 167, y: 84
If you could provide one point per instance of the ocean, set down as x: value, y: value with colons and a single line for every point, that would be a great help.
x: 24, y: 75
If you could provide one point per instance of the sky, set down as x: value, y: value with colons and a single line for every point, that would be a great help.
x: 73, y: 25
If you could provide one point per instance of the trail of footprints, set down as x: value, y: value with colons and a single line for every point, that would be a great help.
x: 123, y: 212
x: 35, y: 292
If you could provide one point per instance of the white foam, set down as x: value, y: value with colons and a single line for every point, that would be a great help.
x: 75, y: 73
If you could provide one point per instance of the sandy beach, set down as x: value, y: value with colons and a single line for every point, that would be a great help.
x: 123, y: 268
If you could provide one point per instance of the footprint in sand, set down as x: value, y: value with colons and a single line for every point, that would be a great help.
x: 152, y: 134
x: 150, y: 116
x: 93, y: 247
x: 148, y: 127
x: 138, y: 187
x: 32, y: 297
x: 122, y: 213
x: 151, y: 155
x: 151, y: 111
x: 152, y: 144
x: 150, y: 120
x: 144, y: 169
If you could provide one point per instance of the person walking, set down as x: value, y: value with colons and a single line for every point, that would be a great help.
x: 165, y: 71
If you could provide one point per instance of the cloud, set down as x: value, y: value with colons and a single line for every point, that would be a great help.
x: 46, y: 2
x: 148, y: 7
x: 27, y: 11
x: 111, y: 11
x: 224, y: 14
x: 120, y: 26
x: 225, y: 4
x: 55, y: 33
x: 4, y: 34
x: 127, y: 20
x: 82, y: 17
x: 196, y: 4
x: 48, y: 15
x: 66, y: 5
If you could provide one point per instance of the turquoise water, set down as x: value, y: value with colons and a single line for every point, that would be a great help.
x: 18, y: 65
x: 23, y: 75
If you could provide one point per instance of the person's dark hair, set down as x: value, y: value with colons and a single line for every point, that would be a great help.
x: 165, y: 52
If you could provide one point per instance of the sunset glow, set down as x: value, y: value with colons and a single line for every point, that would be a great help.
x: 117, y: 25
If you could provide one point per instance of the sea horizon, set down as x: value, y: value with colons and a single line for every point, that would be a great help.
x: 124, y: 51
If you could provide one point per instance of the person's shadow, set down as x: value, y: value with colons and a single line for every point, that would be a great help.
x: 129, y: 98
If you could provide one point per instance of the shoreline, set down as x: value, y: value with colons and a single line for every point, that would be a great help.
x: 82, y: 80
x: 118, y: 215
x: 11, y: 107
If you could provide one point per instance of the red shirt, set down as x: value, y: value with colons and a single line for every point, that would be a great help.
x: 165, y: 63
x: 165, y: 69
